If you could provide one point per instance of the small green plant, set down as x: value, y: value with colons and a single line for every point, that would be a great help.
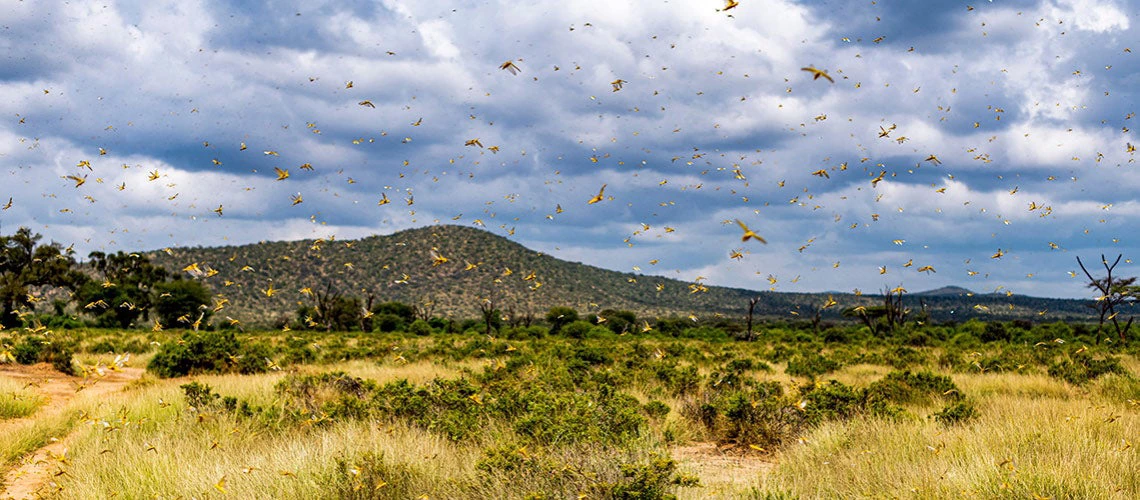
x: 199, y: 395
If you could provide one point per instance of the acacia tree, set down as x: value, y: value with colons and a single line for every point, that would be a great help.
x: 26, y: 265
x: 560, y: 316
x: 333, y: 311
x: 1114, y: 292
x: 885, y: 318
x: 182, y: 302
x: 126, y: 291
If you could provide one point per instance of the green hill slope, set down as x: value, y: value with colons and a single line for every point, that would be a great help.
x: 452, y: 269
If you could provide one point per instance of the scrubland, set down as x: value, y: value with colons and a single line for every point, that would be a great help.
x: 801, y: 412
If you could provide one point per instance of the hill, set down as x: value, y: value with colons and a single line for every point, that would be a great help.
x: 946, y: 290
x: 451, y: 269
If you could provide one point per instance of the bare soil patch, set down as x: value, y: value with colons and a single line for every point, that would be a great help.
x: 723, y: 470
x: 31, y: 478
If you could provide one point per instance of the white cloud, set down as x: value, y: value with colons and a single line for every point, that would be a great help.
x: 718, y: 93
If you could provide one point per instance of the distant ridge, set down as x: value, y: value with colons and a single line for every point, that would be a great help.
x: 946, y: 290
x: 450, y: 269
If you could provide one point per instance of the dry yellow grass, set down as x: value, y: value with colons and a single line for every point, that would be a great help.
x: 1034, y: 436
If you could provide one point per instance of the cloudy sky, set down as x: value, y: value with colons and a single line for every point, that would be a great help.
x: 953, y: 132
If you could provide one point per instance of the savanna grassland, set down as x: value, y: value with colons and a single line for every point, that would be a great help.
x: 974, y: 410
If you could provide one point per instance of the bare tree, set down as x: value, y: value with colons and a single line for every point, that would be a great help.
x: 366, y: 315
x: 425, y: 310
x: 488, y: 311
x: 751, y: 307
x: 1114, y: 292
x: 322, y: 305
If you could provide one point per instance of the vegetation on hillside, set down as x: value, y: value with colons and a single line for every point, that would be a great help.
x: 454, y: 271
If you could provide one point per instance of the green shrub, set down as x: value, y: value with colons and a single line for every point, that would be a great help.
x: 506, y: 458
x: 653, y: 480
x: 200, y: 396
x: 655, y: 409
x: 680, y: 381
x: 995, y: 332
x: 605, y: 416
x: 810, y: 364
x: 906, y: 387
x: 526, y: 332
x: 577, y: 329
x: 761, y: 416
x: 904, y: 357
x: 420, y: 327
x: 207, y: 352
x: 36, y: 348
x: 1083, y: 367
x: 830, y: 401
x: 956, y: 413
x: 452, y: 408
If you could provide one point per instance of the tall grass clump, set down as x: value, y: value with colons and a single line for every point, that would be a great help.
x: 16, y: 400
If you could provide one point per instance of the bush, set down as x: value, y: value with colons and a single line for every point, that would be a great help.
x: 420, y: 327
x: 606, y: 417
x: 995, y: 332
x: 559, y: 316
x: 680, y: 381
x: 1083, y: 367
x: 526, y: 332
x: 655, y: 409
x: 452, y: 408
x: 831, y: 401
x: 763, y: 420
x: 506, y: 458
x: 207, y: 352
x: 906, y: 387
x: 57, y: 351
x: 956, y: 413
x: 653, y: 480
x: 903, y: 357
x: 577, y: 329
x: 200, y: 396
x: 810, y: 364
x: 387, y: 322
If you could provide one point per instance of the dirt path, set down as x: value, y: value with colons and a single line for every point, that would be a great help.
x: 30, y: 478
x: 724, y: 473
